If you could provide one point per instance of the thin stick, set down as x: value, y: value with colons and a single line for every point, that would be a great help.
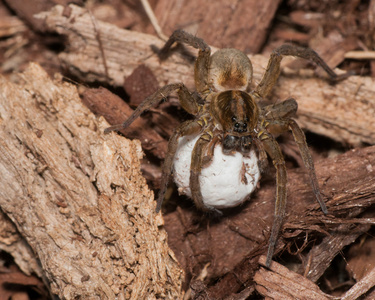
x: 101, y: 48
x: 360, y: 54
x: 153, y: 20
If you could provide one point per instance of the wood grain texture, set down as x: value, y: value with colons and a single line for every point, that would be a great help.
x: 220, y: 23
x: 344, y: 112
x: 281, y: 283
x: 78, y: 198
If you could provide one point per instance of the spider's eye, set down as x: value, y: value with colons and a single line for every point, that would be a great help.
x: 240, y: 127
x: 234, y: 119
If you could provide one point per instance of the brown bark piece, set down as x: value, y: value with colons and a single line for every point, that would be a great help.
x: 281, y: 283
x: 78, y: 198
x: 361, y: 258
x: 320, y: 256
x: 140, y: 84
x: 27, y: 10
x: 14, y: 244
x: 116, y: 111
x: 343, y: 112
x: 350, y: 190
x: 11, y: 277
x: 361, y: 287
x: 224, y: 24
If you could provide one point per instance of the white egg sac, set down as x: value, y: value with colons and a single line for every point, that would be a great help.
x: 226, y: 182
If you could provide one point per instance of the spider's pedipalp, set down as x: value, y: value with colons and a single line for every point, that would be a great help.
x: 195, y: 171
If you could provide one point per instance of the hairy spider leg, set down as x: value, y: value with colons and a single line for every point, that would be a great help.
x: 300, y: 140
x: 186, y: 128
x: 198, y: 156
x: 188, y: 102
x: 277, y: 117
x: 284, y: 109
x: 273, y: 69
x: 281, y: 110
x: 274, y: 151
x: 202, y: 62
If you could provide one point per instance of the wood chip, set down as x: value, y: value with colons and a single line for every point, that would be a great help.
x: 281, y: 283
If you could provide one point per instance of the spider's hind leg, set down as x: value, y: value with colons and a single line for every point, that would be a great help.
x: 181, y: 36
x: 203, y: 59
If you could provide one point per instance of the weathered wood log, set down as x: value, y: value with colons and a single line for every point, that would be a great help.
x: 77, y: 197
x: 343, y: 112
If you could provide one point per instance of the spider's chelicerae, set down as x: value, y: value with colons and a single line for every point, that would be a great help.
x: 229, y: 119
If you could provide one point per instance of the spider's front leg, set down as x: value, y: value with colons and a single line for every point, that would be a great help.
x: 186, y: 128
x: 274, y: 151
x: 199, y: 158
x: 273, y: 69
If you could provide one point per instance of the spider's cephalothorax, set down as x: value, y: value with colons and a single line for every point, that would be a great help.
x: 237, y: 113
x: 228, y: 117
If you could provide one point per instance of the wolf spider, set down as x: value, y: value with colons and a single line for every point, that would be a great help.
x: 226, y: 113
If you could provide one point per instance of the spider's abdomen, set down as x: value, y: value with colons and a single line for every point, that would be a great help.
x: 230, y: 69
